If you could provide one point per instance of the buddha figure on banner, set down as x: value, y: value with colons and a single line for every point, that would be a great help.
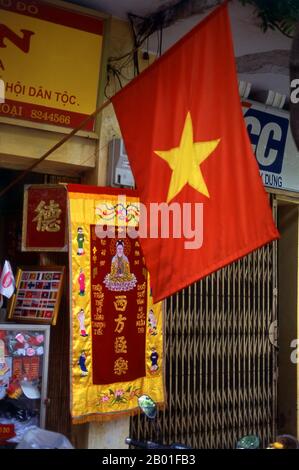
x: 120, y: 278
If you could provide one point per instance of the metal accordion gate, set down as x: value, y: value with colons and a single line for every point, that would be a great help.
x: 221, y: 367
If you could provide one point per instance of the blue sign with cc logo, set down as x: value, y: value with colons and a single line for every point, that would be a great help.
x: 268, y: 135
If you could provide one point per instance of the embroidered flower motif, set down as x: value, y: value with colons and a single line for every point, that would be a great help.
x: 114, y: 397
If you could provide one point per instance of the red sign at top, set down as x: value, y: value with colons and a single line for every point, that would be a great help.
x: 59, y: 15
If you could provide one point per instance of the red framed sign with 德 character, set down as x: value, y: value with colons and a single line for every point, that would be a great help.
x: 44, y: 218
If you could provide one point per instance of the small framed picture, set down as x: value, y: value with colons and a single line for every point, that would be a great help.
x: 37, y: 295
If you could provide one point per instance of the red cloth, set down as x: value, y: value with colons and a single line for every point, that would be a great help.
x: 118, y: 316
x: 196, y: 76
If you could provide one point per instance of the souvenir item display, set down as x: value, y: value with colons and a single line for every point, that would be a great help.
x: 23, y: 379
x: 37, y: 298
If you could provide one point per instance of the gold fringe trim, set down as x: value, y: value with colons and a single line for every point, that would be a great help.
x: 104, y: 417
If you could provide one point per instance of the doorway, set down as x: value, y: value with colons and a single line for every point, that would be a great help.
x: 288, y: 261
x: 11, y: 217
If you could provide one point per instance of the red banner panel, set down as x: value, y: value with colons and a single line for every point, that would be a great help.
x: 118, y: 309
x: 44, y: 218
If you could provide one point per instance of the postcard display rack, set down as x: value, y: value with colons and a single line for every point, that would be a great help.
x: 38, y: 294
x: 24, y: 352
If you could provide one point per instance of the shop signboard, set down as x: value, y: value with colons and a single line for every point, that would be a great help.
x: 50, y: 61
x: 273, y: 145
x: 44, y: 218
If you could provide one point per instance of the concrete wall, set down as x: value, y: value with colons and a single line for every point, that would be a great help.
x: 21, y: 145
x: 108, y: 435
x: 119, y: 43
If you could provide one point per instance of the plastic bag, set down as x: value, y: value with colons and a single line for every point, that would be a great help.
x: 37, y: 438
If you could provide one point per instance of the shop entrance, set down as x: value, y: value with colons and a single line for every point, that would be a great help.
x: 11, y: 207
x: 288, y: 261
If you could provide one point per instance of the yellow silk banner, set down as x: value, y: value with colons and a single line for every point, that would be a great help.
x: 94, y: 304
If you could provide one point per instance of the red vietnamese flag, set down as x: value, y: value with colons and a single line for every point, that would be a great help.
x: 185, y: 136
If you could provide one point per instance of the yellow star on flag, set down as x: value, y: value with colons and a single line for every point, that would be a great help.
x: 185, y: 161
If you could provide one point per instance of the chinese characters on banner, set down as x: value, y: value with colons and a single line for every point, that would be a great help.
x: 116, y: 330
x: 44, y: 218
x: 118, y: 309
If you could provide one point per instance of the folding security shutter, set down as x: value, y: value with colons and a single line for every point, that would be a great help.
x: 221, y: 368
